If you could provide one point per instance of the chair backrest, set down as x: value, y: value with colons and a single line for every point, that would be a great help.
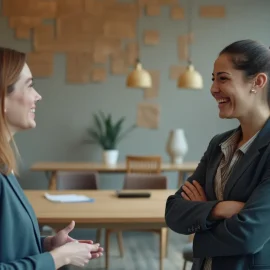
x: 77, y: 180
x: 133, y: 181
x: 143, y: 164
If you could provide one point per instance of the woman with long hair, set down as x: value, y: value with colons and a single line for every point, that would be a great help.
x: 21, y: 246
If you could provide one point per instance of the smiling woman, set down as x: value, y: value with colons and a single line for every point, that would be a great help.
x: 11, y: 66
x: 18, y: 223
x: 226, y: 201
x: 240, y: 80
x: 20, y: 102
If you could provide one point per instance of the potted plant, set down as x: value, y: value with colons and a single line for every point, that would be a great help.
x: 108, y: 134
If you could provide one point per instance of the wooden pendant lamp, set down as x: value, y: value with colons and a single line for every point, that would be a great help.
x: 139, y: 77
x: 190, y: 78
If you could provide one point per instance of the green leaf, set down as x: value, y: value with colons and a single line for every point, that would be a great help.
x: 124, y: 134
x: 105, y: 132
x: 98, y: 124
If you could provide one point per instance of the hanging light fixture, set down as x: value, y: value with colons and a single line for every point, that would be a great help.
x: 139, y: 77
x: 190, y: 78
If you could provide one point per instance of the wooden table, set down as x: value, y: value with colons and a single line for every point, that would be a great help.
x: 107, y: 211
x: 52, y: 167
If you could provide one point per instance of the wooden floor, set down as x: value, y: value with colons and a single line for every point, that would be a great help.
x: 141, y: 252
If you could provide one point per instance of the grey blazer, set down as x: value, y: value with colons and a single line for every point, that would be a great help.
x: 20, y: 240
x: 241, y: 242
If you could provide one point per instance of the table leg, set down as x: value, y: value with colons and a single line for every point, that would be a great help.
x: 180, y: 179
x: 52, y: 183
x: 51, y: 176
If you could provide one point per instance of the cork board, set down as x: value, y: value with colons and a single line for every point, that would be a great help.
x: 168, y: 2
x: 13, y: 7
x: 29, y: 8
x: 43, y: 37
x: 175, y: 71
x: 99, y: 57
x: 177, y: 13
x: 99, y: 28
x: 24, y: 22
x: 46, y: 41
x: 142, y: 3
x: 153, y: 92
x: 23, y: 33
x: 43, y: 34
x: 94, y: 7
x: 112, y: 10
x: 119, y: 67
x: 120, y: 30
x: 212, y: 11
x: 79, y: 27
x: 148, y: 115
x: 98, y: 75
x: 79, y: 67
x: 46, y: 9
x: 119, y: 64
x: 40, y: 64
x: 68, y: 7
x: 151, y: 37
x: 122, y: 11
x: 107, y: 45
x: 153, y: 10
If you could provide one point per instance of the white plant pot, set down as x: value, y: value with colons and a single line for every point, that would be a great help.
x: 110, y: 157
x: 177, y: 146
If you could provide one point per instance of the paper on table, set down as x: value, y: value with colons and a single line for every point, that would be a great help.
x: 68, y: 198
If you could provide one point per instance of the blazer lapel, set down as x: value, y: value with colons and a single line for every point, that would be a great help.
x: 17, y: 189
x: 263, y: 139
x: 214, y: 162
x: 240, y: 168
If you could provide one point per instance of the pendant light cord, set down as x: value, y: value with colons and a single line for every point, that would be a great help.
x: 138, y: 31
x: 189, y: 28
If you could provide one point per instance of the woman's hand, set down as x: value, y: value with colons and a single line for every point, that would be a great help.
x: 226, y: 209
x: 222, y: 210
x: 193, y: 192
x: 62, y: 238
x: 74, y: 253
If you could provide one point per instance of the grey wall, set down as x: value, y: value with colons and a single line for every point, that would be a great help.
x: 65, y: 111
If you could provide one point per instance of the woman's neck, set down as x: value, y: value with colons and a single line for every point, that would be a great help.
x: 253, y: 123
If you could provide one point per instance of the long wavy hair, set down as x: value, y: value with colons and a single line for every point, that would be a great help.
x: 11, y: 65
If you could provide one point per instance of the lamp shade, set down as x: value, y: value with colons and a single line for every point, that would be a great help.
x: 139, y: 77
x: 190, y: 79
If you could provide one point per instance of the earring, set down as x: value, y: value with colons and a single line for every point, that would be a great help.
x: 253, y: 91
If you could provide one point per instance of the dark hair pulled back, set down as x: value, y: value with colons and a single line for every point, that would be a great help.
x: 251, y: 57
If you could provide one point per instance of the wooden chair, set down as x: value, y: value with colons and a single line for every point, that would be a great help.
x: 67, y: 180
x: 143, y: 164
x: 143, y: 173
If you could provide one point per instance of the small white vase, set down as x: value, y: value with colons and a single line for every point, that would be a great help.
x: 177, y: 146
x: 110, y: 157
